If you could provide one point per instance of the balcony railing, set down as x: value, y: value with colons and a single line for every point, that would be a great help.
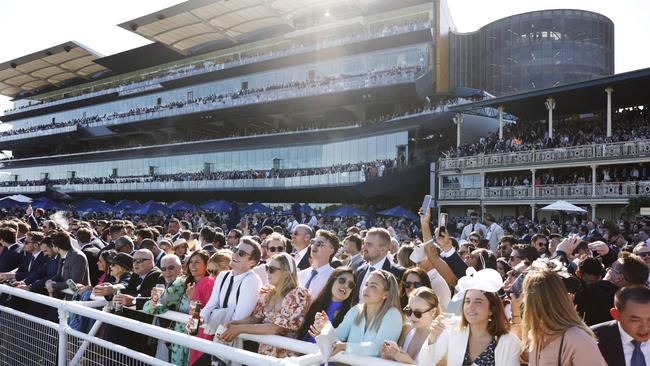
x: 556, y: 191
x: 610, y: 150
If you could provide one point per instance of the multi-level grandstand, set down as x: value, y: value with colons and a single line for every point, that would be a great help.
x: 276, y: 101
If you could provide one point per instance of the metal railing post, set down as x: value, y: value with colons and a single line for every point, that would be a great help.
x: 63, y: 337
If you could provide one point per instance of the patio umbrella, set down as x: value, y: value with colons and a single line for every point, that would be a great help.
x: 257, y: 208
x: 126, y: 205
x: 217, y: 206
x: 47, y: 204
x: 18, y: 198
x: 346, y: 211
x: 11, y: 203
x: 92, y: 205
x: 563, y: 206
x: 150, y: 208
x: 399, y: 211
x: 182, y: 206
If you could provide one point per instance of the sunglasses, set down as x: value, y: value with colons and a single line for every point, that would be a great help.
x: 276, y: 249
x: 241, y: 252
x: 271, y: 269
x: 170, y: 268
x: 644, y: 254
x: 474, y: 240
x: 343, y: 281
x: 416, y: 313
x: 408, y: 284
x: 140, y: 260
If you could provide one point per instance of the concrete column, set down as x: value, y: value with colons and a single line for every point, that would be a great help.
x: 609, y: 90
x: 500, y: 122
x: 593, y: 180
x: 550, y: 106
x: 532, y: 182
x: 593, y: 211
x: 439, y: 186
x: 458, y: 120
x: 533, y: 208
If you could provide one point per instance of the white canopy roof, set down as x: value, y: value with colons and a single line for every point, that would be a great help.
x: 562, y: 206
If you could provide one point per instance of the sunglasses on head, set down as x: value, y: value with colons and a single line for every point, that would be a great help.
x: 271, y: 269
x: 343, y: 281
x: 276, y: 249
x: 408, y: 284
x: 416, y: 313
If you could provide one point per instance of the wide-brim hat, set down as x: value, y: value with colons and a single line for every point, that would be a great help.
x: 124, y: 260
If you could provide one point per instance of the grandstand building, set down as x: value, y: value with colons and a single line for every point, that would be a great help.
x: 277, y: 101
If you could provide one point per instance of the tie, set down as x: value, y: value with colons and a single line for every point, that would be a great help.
x: 472, y: 228
x: 638, y: 359
x: 313, y: 274
x: 29, y: 268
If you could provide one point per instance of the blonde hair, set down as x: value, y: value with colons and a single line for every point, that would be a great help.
x: 289, y: 282
x: 547, y: 309
x: 430, y: 297
x: 221, y: 259
x: 391, y: 301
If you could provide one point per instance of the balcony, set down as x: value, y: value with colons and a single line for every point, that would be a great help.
x: 549, y: 192
x: 599, y: 152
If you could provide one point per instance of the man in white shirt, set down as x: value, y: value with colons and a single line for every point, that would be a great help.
x: 473, y: 226
x: 240, y: 287
x: 323, y: 248
x: 625, y: 340
x: 300, y: 239
x: 494, y: 232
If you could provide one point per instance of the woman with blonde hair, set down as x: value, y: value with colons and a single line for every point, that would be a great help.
x: 281, y: 307
x: 219, y: 262
x: 367, y: 325
x: 552, y: 330
x: 423, y: 307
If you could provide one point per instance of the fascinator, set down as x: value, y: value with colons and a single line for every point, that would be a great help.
x: 487, y: 280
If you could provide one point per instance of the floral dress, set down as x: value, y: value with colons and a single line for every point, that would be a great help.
x: 174, y: 299
x: 290, y: 316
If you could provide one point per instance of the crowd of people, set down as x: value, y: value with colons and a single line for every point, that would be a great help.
x: 223, y: 62
x: 627, y: 125
x: 469, y: 292
x: 234, y: 97
x: 371, y: 170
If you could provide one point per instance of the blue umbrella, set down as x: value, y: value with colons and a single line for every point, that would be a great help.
x: 91, y: 205
x: 345, y: 211
x: 257, y: 208
x: 126, y: 205
x: 399, y: 211
x: 47, y: 204
x: 182, y: 206
x: 10, y: 203
x: 307, y: 209
x: 150, y: 208
x: 217, y: 206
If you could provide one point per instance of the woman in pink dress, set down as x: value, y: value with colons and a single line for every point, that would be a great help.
x: 199, y: 285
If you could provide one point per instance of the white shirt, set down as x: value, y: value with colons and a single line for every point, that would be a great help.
x: 467, y: 229
x: 318, y: 282
x: 300, y: 254
x: 291, y: 226
x: 628, y: 347
x: 376, y: 266
x: 249, y: 292
x: 494, y: 234
x: 440, y: 287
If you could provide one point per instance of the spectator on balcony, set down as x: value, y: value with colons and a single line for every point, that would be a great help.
x: 474, y: 226
x: 493, y: 233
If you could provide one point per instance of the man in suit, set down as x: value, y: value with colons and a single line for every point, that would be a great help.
x: 376, y: 246
x: 473, y: 226
x: 73, y: 264
x: 84, y: 238
x: 174, y: 228
x: 314, y: 278
x: 155, y: 250
x: 206, y: 238
x: 35, y: 217
x: 624, y: 341
x: 493, y: 233
x: 300, y: 239
x: 33, y: 258
x: 352, y: 247
x: 12, y: 255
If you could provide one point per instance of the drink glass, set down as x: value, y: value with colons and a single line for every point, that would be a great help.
x: 448, y: 319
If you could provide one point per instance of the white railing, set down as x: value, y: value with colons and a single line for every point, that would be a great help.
x: 555, y: 191
x: 611, y: 150
x: 58, y: 344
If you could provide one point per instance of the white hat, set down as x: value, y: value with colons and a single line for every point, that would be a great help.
x: 487, y: 280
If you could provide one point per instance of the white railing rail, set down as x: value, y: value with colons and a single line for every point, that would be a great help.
x: 311, y: 355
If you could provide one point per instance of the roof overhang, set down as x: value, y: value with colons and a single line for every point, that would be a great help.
x: 50, y: 67
x: 576, y: 98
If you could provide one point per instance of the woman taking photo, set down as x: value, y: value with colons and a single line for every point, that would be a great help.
x: 423, y: 307
x: 280, y: 309
x: 555, y: 333
x: 335, y: 303
x: 412, y: 279
x: 483, y: 337
x: 366, y: 326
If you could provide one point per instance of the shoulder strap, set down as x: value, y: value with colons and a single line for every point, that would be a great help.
x: 223, y: 281
x: 239, y: 289
x: 559, y: 354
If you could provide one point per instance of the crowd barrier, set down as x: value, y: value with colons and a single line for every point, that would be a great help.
x: 29, y: 340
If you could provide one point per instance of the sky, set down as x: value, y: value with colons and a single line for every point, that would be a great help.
x: 28, y: 26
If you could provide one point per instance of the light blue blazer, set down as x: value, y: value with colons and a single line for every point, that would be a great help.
x: 368, y: 342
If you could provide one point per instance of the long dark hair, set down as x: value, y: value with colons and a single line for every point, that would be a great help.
x: 424, y: 278
x: 323, y: 300
x: 205, y: 256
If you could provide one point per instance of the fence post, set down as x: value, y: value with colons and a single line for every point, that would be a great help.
x: 63, y: 338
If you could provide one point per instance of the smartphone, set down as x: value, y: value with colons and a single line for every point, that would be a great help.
x: 426, y: 204
x: 71, y: 285
x: 442, y: 223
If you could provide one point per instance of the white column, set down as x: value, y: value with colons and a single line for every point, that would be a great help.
x: 500, y: 122
x: 593, y: 211
x: 533, y: 208
x: 458, y: 120
x: 609, y: 92
x: 532, y: 181
x: 550, y: 106
x: 593, y: 180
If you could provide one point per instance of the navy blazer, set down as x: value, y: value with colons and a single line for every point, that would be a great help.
x: 49, y: 270
x: 609, y: 342
x: 11, y: 257
x: 24, y: 271
x: 304, y: 261
x: 395, y: 269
